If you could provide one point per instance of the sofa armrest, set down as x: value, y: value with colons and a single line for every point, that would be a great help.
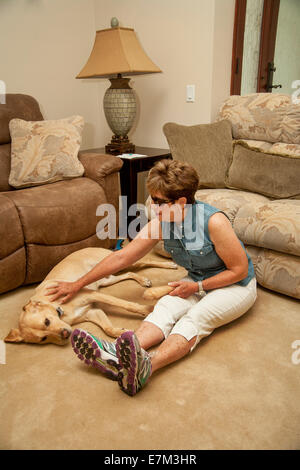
x: 98, y: 166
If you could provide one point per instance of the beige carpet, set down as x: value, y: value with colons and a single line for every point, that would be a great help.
x: 238, y: 390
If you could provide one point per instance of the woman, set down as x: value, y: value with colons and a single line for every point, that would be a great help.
x: 219, y: 288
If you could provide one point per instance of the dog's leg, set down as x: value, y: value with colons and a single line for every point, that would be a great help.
x: 97, y: 316
x: 156, y: 264
x: 157, y: 292
x: 142, y: 310
x: 113, y: 279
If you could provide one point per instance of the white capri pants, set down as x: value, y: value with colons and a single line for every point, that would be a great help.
x: 192, y: 317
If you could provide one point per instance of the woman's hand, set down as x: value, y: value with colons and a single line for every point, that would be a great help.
x: 184, y: 289
x: 66, y: 290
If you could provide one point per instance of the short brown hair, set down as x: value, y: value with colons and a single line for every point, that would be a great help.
x: 173, y: 179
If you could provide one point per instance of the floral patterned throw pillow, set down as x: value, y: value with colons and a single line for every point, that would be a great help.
x: 45, y: 151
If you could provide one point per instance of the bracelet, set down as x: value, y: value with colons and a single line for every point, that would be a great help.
x: 201, y: 291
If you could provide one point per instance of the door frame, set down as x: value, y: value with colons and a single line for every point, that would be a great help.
x: 238, y: 46
x: 267, y: 44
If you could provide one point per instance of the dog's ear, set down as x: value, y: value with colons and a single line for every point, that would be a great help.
x: 24, y: 306
x: 14, y: 336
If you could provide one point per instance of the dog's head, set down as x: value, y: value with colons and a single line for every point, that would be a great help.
x: 40, y: 323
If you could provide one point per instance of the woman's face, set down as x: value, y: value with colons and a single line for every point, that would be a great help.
x: 167, y: 210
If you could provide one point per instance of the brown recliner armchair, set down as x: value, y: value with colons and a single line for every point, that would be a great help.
x: 41, y: 225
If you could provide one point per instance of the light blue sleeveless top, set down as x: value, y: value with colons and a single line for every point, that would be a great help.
x: 190, y: 245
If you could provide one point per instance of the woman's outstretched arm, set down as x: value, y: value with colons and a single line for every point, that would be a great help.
x: 113, y: 263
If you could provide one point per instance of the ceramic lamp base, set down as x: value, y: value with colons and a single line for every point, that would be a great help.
x: 120, y: 110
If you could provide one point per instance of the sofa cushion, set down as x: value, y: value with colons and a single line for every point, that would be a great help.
x: 279, y: 148
x: 275, y: 176
x: 274, y: 225
x: 17, y: 106
x: 257, y: 116
x: 37, y: 269
x: 229, y: 200
x: 11, y: 233
x: 59, y: 213
x: 258, y: 144
x: 291, y: 125
x: 276, y: 271
x: 45, y: 151
x: 207, y: 147
x: 13, y: 270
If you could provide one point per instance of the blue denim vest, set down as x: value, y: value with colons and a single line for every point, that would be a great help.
x: 190, y: 245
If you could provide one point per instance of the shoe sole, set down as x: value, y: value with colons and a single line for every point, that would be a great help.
x: 127, y: 355
x: 87, y: 350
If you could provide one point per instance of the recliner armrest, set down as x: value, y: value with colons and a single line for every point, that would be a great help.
x: 98, y: 166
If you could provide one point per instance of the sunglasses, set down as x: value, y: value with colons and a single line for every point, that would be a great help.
x: 160, y: 202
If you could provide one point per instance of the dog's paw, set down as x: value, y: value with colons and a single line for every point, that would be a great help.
x: 157, y: 292
x: 146, y: 282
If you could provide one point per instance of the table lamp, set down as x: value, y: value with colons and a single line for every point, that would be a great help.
x: 117, y: 52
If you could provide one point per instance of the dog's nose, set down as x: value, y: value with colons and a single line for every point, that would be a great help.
x: 65, y: 333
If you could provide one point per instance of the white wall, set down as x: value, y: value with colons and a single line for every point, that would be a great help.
x: 222, y: 53
x: 178, y: 37
x: 45, y: 43
x: 191, y: 41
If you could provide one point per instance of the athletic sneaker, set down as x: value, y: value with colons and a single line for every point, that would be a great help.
x: 96, y: 352
x: 135, y: 363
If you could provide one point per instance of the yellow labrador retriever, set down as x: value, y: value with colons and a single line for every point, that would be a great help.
x: 43, y: 321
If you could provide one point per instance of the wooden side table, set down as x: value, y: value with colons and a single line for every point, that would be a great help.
x: 131, y: 168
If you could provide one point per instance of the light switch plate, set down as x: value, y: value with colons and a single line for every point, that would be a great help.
x: 190, y: 93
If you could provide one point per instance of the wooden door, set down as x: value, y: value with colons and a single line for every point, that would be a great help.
x: 267, y: 45
x: 238, y: 47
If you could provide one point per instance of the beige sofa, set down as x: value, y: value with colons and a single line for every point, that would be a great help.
x: 41, y: 225
x: 249, y: 166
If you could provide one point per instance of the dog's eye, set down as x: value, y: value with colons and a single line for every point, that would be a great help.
x: 44, y: 338
x: 47, y: 322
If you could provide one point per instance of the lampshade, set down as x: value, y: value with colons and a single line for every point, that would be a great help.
x: 117, y: 51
